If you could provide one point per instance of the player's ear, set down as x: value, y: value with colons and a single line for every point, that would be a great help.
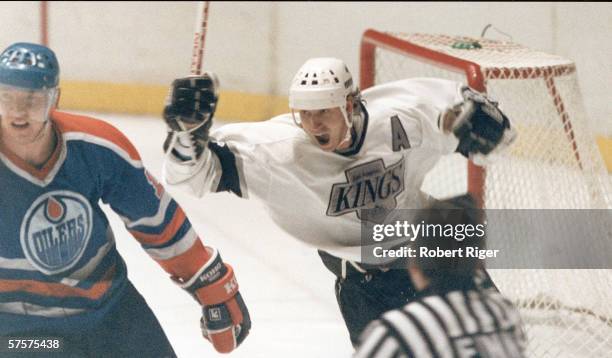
x: 349, y: 104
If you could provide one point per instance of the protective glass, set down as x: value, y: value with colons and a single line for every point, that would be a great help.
x: 33, y: 105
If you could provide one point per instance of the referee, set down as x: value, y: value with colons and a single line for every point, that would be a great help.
x: 450, y: 317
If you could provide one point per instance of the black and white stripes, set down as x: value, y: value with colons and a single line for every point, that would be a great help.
x: 458, y: 324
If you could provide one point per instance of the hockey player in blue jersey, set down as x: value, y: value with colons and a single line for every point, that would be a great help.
x: 60, y: 272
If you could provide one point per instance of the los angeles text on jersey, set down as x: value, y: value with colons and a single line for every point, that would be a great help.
x: 406, y: 251
x: 370, y: 185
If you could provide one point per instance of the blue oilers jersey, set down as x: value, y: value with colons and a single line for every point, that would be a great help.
x: 59, y: 267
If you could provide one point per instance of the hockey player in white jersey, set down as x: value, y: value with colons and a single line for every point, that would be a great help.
x: 336, y: 154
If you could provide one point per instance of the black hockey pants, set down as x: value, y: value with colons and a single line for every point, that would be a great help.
x: 365, y: 294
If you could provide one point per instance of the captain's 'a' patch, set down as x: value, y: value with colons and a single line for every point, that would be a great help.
x: 399, y: 137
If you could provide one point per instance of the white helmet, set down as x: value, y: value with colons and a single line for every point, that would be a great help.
x: 322, y: 83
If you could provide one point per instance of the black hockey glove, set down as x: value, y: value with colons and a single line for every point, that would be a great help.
x: 479, y: 124
x: 188, y: 113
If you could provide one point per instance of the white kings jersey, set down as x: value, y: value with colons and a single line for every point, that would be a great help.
x: 318, y: 196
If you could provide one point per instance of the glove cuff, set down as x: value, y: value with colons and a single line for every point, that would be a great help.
x: 212, y: 284
x: 220, y: 291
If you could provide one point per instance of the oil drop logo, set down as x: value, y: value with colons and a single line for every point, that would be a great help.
x: 55, y: 231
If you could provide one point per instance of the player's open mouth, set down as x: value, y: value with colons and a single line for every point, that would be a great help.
x: 20, y: 124
x: 322, y: 139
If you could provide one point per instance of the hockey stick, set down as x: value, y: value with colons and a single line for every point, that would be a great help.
x: 197, y: 57
x: 199, y: 39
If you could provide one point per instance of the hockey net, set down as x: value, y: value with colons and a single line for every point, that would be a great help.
x: 553, y: 164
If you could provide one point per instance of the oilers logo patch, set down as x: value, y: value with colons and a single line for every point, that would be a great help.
x: 55, y: 231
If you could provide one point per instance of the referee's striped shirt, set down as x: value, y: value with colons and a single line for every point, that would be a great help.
x: 458, y: 324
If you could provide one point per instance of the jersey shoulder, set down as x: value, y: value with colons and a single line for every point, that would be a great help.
x: 76, y: 127
x: 406, y: 112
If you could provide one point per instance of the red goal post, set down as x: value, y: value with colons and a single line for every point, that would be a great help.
x: 475, y: 75
x: 553, y: 164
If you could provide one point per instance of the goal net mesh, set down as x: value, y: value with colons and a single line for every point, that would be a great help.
x: 553, y: 164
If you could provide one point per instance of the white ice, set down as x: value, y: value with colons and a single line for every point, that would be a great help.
x: 289, y: 293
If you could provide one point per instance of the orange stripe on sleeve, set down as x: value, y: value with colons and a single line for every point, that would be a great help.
x: 188, y: 263
x: 67, y: 122
x: 169, y: 231
x: 59, y: 290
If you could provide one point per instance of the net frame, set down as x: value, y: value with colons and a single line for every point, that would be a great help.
x: 520, y: 63
x: 475, y: 74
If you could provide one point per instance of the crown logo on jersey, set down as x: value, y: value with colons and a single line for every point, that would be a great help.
x: 370, y: 191
x: 55, y: 210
